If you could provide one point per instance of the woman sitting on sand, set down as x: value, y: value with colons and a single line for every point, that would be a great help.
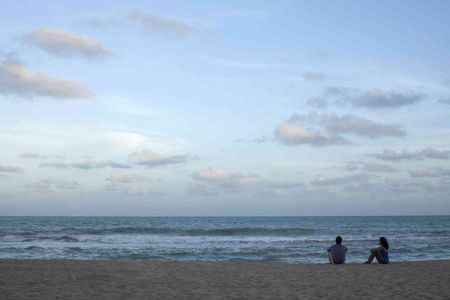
x: 380, y: 253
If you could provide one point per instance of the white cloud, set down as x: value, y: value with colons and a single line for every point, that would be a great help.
x: 17, y: 79
x: 369, y: 167
x: 370, y: 99
x: 116, y: 178
x: 52, y: 185
x: 350, y: 124
x: 341, y: 180
x: 405, y: 154
x: 313, y: 76
x: 220, y: 177
x: 65, y: 43
x: 261, y: 139
x: 378, y: 168
x: 30, y: 155
x: 87, y: 165
x: 294, y: 135
x: 152, y: 159
x: 144, y: 191
x: 152, y: 24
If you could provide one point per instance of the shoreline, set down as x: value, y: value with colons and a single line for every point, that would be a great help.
x: 232, y: 261
x: 144, y: 279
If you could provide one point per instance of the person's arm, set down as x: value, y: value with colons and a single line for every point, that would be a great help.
x: 329, y: 249
x: 375, y: 250
x: 345, y: 249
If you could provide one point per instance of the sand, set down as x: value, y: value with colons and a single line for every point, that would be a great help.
x: 112, y: 279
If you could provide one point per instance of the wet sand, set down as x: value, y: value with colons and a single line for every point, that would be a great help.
x: 113, y: 279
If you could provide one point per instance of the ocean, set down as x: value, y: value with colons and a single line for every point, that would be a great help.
x: 266, y: 239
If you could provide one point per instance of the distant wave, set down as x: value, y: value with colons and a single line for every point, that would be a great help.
x: 260, y: 231
x: 66, y: 238
x: 34, y: 248
x: 131, y: 230
x: 249, y: 231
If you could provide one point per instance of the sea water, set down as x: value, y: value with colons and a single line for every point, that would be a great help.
x: 268, y: 239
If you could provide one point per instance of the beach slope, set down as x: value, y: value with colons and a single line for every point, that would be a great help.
x: 112, y: 279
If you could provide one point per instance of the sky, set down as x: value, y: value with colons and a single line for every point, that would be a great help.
x: 224, y: 108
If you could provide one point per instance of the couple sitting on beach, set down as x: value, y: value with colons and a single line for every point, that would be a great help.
x: 336, y: 253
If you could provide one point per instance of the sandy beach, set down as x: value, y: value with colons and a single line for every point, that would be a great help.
x: 112, y: 279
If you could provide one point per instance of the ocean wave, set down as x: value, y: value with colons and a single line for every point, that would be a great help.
x: 249, y: 231
x: 131, y: 230
x: 34, y: 248
x: 74, y: 249
x: 230, y: 231
x: 66, y: 238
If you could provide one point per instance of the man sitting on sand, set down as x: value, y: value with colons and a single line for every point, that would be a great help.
x: 336, y: 253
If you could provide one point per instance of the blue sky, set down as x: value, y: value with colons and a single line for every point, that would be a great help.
x: 224, y: 108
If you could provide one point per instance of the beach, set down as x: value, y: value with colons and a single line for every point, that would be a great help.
x: 126, y: 279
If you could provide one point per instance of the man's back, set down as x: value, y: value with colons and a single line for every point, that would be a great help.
x: 337, y: 253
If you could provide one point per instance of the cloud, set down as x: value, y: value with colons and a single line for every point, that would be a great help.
x: 445, y: 100
x: 378, y: 168
x: 134, y: 190
x: 442, y: 186
x: 340, y: 180
x: 392, y: 155
x: 144, y: 191
x: 153, y: 24
x: 261, y: 139
x: 290, y: 134
x: 318, y: 102
x: 219, y: 177
x: 29, y: 155
x: 87, y: 165
x: 17, y: 79
x: 350, y: 124
x: 65, y: 43
x: 431, y: 172
x: 400, y: 186
x: 351, y: 166
x: 405, y: 154
x: 50, y: 185
x: 152, y: 159
x: 313, y: 76
x: 126, y: 178
x: 371, y: 99
x: 369, y: 167
x: 378, y: 98
x: 435, y: 153
x: 10, y: 169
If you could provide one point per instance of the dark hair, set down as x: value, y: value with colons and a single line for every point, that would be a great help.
x: 338, y: 239
x: 384, y: 242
